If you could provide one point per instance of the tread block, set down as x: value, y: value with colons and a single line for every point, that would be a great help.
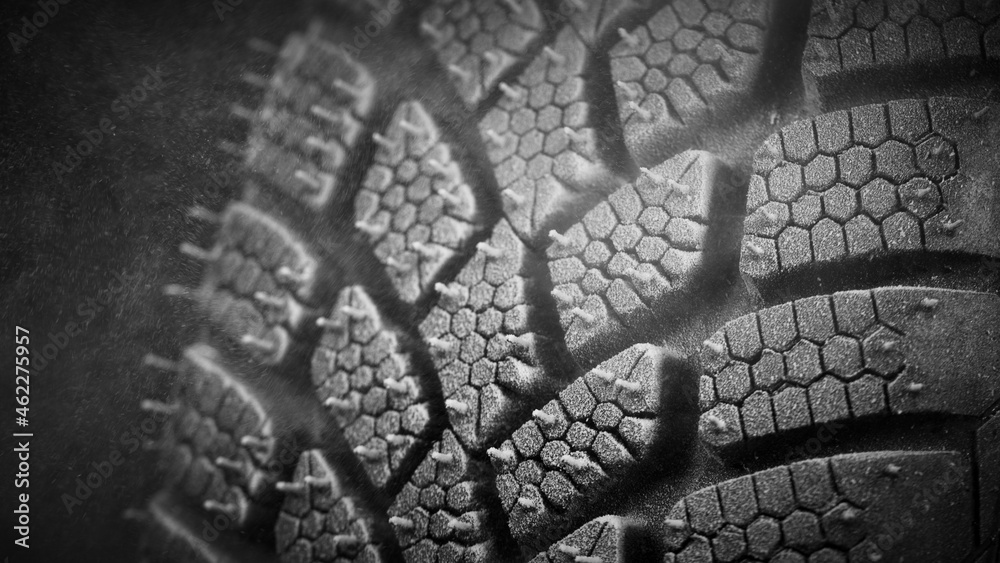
x: 601, y: 539
x: 612, y: 268
x: 319, y: 521
x: 484, y: 344
x: 851, y: 355
x: 480, y: 41
x: 539, y: 136
x: 221, y: 442
x: 867, y: 37
x: 595, y: 20
x: 579, y: 445
x: 173, y: 533
x: 276, y: 248
x: 910, y: 175
x: 365, y: 379
x: 878, y: 506
x: 314, y: 109
x: 414, y: 204
x: 259, y: 281
x: 445, y: 513
x: 688, y: 62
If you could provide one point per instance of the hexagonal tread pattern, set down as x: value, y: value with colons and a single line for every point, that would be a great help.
x: 446, y: 512
x: 313, y: 113
x: 689, y: 62
x: 319, y: 521
x: 259, y: 280
x: 579, y: 445
x: 910, y: 175
x: 220, y: 441
x: 600, y: 539
x: 540, y: 139
x: 414, y: 205
x: 611, y: 269
x: 366, y: 380
x: 867, y: 37
x: 597, y: 20
x: 483, y: 341
x: 850, y: 355
x: 479, y: 41
x: 879, y: 506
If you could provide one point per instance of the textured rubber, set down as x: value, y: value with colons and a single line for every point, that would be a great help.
x: 414, y: 204
x: 612, y: 270
x: 598, y: 429
x: 480, y: 42
x: 319, y: 521
x: 851, y: 355
x: 541, y: 137
x: 363, y: 374
x: 689, y: 64
x: 853, y: 507
x: 312, y: 116
x: 602, y: 538
x: 921, y: 42
x: 170, y: 534
x: 904, y: 176
x: 222, y: 442
x: 601, y: 281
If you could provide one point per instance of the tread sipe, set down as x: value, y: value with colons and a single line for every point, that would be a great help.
x: 600, y: 281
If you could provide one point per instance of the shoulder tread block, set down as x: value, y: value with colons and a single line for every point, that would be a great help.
x: 479, y: 41
x: 221, y: 443
x: 851, y: 355
x: 319, y: 521
x: 171, y: 534
x: 540, y: 139
x: 910, y: 175
x: 688, y: 62
x: 414, y: 205
x: 313, y: 112
x: 366, y: 380
x: 484, y: 343
x: 878, y: 506
x: 259, y: 281
x: 579, y: 445
x: 611, y: 269
x: 867, y: 37
x: 446, y: 512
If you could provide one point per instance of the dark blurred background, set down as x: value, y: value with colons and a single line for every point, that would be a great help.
x: 64, y: 235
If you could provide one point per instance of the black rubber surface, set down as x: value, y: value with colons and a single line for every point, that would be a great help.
x: 569, y: 280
